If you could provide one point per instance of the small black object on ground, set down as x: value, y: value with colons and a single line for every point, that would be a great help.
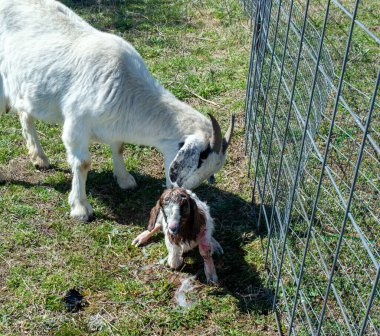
x: 74, y: 301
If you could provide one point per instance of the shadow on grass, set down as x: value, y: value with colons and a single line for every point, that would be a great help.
x: 234, y: 229
x: 235, y: 225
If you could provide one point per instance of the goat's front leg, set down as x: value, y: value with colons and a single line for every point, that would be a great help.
x: 124, y: 179
x: 175, y: 259
x: 76, y: 140
x: 143, y: 237
x: 206, y: 249
x: 37, y: 155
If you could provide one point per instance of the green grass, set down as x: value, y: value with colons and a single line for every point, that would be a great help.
x: 191, y: 47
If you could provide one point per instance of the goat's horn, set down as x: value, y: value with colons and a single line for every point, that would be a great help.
x: 216, y: 139
x: 230, y: 131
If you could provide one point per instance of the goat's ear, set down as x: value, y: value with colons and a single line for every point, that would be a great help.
x: 186, y: 160
x: 199, y: 217
x: 153, y: 216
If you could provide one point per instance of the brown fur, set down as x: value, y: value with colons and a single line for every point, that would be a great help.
x: 121, y: 150
x: 153, y: 216
x: 85, y: 166
x: 192, y: 218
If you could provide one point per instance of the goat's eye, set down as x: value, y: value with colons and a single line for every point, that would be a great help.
x: 204, y: 155
x: 180, y: 145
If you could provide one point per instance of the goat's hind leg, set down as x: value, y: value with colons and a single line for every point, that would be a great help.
x: 37, y: 155
x: 124, y: 179
x: 206, y: 249
x: 76, y: 141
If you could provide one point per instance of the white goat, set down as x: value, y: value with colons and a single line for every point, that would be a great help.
x: 56, y: 67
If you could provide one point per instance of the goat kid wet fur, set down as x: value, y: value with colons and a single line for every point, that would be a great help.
x: 186, y: 223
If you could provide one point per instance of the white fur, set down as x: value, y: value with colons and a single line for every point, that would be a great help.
x: 57, y: 68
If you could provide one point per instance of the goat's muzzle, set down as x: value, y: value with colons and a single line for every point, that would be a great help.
x: 173, y: 229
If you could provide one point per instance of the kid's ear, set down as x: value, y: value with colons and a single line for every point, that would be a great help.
x: 197, y: 216
x: 153, y: 216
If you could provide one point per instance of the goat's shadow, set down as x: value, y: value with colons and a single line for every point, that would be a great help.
x: 235, y: 229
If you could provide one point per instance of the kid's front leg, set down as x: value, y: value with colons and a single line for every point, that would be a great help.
x: 143, y: 237
x: 175, y: 259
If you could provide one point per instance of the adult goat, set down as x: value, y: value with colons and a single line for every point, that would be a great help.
x: 56, y: 67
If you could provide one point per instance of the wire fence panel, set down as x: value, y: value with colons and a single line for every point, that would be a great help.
x: 312, y: 141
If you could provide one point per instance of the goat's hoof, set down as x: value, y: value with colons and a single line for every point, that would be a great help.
x: 41, y: 162
x: 142, y: 238
x: 217, y: 248
x: 82, y: 212
x: 127, y: 182
x: 175, y: 263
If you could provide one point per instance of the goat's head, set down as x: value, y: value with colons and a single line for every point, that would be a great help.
x: 182, y: 219
x: 199, y: 158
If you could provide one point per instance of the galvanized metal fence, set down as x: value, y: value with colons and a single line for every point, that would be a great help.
x: 312, y: 140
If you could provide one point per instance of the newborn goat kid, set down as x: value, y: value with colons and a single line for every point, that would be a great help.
x: 186, y: 223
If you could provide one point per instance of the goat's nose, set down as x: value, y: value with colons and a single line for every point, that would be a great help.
x: 173, y: 229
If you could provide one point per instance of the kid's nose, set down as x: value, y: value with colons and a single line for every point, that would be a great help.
x: 173, y: 228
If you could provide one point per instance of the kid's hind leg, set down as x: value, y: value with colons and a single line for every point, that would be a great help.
x: 76, y: 140
x: 29, y: 132
x: 206, y: 249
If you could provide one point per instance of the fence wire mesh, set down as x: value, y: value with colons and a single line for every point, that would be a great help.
x: 312, y: 140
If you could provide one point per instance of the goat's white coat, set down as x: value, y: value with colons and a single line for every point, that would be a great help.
x: 57, y: 68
